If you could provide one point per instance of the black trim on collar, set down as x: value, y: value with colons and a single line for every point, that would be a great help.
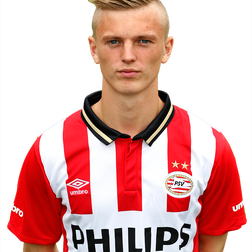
x: 107, y: 135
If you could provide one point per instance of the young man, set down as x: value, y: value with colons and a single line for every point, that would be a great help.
x: 130, y: 172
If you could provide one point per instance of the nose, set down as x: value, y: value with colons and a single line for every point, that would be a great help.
x: 128, y: 52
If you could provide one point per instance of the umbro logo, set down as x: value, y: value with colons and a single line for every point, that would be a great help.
x: 78, y: 183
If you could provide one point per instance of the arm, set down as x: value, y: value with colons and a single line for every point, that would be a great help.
x: 39, y: 248
x: 208, y: 243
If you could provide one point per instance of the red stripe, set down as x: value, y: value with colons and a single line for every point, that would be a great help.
x: 182, y: 189
x: 65, y: 247
x: 179, y: 155
x: 172, y: 180
x: 129, y: 182
x: 78, y: 163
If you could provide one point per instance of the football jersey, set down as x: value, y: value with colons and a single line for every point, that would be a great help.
x: 105, y: 191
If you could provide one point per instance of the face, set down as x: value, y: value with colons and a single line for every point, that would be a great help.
x: 130, y: 47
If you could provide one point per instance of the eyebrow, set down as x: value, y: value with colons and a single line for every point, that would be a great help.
x: 144, y: 36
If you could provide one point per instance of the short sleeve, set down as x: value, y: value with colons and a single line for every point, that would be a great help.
x: 36, y: 214
x: 222, y: 203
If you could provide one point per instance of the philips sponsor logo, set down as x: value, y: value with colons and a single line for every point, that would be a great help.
x: 17, y: 211
x: 164, y: 238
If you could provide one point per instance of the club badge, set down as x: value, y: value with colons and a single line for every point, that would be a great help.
x: 179, y: 184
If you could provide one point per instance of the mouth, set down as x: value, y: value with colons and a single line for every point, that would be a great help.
x: 128, y: 73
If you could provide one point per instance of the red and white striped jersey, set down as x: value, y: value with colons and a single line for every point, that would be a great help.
x: 107, y: 192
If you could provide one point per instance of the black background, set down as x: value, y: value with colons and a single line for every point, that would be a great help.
x: 46, y: 70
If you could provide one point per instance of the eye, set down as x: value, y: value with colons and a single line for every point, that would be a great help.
x: 113, y: 42
x: 144, y: 41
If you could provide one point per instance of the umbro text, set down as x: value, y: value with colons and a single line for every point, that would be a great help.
x: 17, y: 211
x: 79, y: 192
x: 238, y: 207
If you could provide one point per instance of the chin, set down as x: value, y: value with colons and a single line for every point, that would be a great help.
x: 133, y: 90
x: 129, y: 86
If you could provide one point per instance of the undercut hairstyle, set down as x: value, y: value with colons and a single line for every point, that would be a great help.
x: 126, y: 5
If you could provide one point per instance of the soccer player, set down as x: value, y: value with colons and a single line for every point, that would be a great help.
x: 130, y: 171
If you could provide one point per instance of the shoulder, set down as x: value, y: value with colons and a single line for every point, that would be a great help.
x: 50, y: 144
x: 54, y: 144
x: 204, y: 139
x: 182, y: 116
x: 55, y: 129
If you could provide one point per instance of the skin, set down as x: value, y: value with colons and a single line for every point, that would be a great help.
x: 39, y: 248
x: 130, y: 46
x: 208, y: 243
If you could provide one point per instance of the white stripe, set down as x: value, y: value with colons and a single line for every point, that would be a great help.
x: 154, y: 171
x: 203, y: 144
x: 103, y: 187
x: 53, y: 159
x: 179, y: 190
x: 102, y: 176
x: 202, y: 159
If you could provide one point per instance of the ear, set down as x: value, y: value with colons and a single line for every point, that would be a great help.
x: 93, y: 49
x: 168, y: 49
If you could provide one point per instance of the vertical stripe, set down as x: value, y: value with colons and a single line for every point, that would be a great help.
x: 203, y: 154
x: 195, y: 232
x: 129, y: 181
x: 154, y: 172
x: 51, y: 151
x: 78, y: 165
x: 179, y: 155
x: 64, y: 232
x: 103, y: 179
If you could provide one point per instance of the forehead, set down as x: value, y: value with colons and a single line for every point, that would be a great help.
x: 143, y: 20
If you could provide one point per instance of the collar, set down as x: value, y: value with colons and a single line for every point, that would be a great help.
x: 107, y: 135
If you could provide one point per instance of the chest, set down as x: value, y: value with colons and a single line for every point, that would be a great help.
x: 132, y: 176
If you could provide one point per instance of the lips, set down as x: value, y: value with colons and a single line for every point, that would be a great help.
x: 128, y: 73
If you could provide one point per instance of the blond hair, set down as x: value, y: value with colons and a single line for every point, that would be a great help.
x: 124, y: 5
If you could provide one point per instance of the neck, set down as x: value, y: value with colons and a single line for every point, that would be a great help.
x: 128, y: 114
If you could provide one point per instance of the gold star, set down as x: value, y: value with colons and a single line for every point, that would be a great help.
x: 175, y: 164
x: 184, y: 165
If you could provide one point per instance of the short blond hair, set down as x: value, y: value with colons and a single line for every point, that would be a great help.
x: 125, y: 5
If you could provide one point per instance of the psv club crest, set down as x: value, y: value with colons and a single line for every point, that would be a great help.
x: 179, y: 184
